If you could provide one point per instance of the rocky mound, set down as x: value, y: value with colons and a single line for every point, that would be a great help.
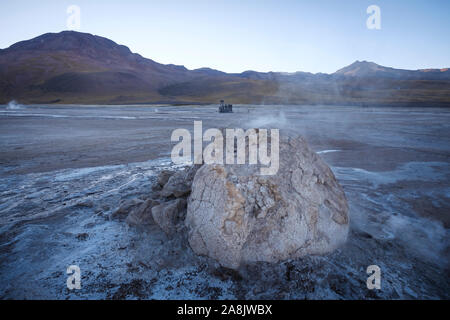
x: 235, y: 215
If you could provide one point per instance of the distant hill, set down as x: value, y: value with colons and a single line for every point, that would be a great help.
x: 370, y: 69
x: 73, y: 67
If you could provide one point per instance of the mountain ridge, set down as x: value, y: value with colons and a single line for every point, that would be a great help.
x: 74, y: 67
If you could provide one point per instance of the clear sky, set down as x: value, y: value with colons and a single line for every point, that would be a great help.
x: 261, y: 35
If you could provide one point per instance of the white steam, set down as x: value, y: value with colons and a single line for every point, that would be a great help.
x: 270, y: 120
x: 13, y: 105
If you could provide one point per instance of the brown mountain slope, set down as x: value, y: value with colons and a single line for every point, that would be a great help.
x: 70, y: 64
x: 73, y: 67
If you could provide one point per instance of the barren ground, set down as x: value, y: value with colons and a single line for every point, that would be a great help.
x: 65, y: 169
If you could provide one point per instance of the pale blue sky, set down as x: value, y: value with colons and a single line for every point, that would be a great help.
x: 262, y: 35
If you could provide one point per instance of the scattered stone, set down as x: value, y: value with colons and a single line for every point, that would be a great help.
x: 142, y: 214
x: 82, y: 236
x: 125, y: 208
x: 179, y: 184
x: 169, y: 214
x: 164, y: 176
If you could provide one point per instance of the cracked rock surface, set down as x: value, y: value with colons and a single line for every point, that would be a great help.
x: 235, y: 215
